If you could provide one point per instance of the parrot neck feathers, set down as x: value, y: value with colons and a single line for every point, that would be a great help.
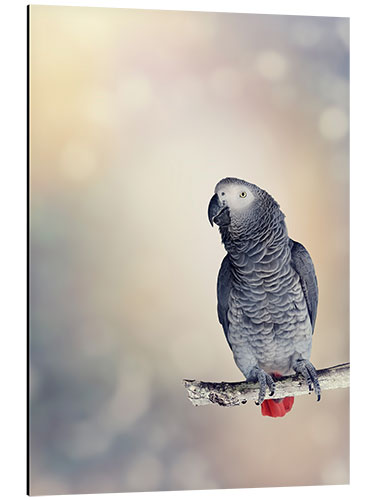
x: 265, y: 227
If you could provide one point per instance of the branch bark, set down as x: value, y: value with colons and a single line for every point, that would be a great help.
x: 236, y: 393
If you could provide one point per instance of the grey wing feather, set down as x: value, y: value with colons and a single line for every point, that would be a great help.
x: 303, y: 264
x: 223, y: 290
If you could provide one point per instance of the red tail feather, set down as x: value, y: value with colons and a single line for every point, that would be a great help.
x: 277, y: 407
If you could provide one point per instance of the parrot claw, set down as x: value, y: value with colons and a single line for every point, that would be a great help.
x: 264, y: 379
x: 305, y: 368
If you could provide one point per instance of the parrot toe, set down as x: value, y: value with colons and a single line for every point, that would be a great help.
x: 265, y: 380
x: 305, y: 368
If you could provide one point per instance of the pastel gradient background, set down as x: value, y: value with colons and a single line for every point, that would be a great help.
x: 134, y: 117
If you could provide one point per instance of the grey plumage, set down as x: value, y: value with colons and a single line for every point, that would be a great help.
x: 267, y: 288
x: 303, y: 264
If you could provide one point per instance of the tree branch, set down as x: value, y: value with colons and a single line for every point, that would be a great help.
x: 236, y: 393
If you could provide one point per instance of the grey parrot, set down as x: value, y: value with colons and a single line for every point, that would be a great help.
x: 267, y: 291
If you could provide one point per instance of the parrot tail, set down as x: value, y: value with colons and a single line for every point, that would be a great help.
x: 277, y: 407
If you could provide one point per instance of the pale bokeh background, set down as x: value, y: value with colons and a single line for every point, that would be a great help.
x: 134, y: 117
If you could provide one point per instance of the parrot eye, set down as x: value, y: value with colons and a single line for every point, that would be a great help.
x: 243, y: 194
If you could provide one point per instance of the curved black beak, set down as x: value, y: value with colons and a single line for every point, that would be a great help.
x: 218, y: 213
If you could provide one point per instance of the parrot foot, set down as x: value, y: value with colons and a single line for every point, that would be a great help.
x: 264, y: 379
x: 305, y: 368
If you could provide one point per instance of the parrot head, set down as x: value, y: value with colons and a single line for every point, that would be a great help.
x: 233, y: 198
x: 237, y: 202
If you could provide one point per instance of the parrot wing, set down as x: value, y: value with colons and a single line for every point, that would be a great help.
x: 223, y: 289
x: 303, y: 264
